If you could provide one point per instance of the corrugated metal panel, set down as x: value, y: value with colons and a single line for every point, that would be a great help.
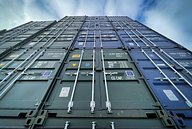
x: 169, y: 77
x: 94, y: 72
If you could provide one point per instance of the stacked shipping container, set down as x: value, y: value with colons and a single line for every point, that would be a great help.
x: 93, y: 72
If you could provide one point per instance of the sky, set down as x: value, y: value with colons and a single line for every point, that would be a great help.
x: 172, y: 18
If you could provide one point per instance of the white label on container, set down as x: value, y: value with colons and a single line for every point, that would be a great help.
x: 55, y: 55
x: 118, y: 55
x: 170, y: 95
x: 13, y: 55
x: 64, y: 92
x: 116, y: 77
x: 80, y: 43
x: 32, y: 43
x: 131, y: 44
x: 110, y: 64
x: 117, y: 64
x: 45, y: 64
x: 68, y: 38
x: 161, y: 65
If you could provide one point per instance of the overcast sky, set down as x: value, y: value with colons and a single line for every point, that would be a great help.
x: 172, y: 18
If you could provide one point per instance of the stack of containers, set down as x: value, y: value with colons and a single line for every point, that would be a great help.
x: 95, y: 72
x: 27, y: 71
x: 20, y: 35
x: 98, y: 84
x: 165, y: 65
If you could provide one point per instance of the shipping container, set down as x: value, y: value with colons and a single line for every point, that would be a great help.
x: 20, y: 35
x: 165, y: 65
x: 93, y: 72
x: 169, y: 77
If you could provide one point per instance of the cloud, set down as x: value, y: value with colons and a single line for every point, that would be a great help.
x: 34, y: 12
x: 90, y: 7
x: 17, y: 12
x: 75, y: 7
x: 111, y: 8
x: 11, y: 13
x: 123, y: 7
x: 62, y: 7
x: 172, y: 19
